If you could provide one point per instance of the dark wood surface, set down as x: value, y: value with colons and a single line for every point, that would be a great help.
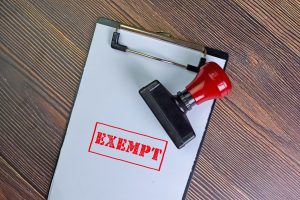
x: 252, y: 148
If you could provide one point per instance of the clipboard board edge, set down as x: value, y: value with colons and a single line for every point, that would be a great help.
x: 115, y: 24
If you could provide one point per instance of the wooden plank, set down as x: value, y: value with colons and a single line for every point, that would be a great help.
x: 43, y: 57
x: 252, y: 146
x: 280, y: 18
x: 13, y: 186
x: 31, y: 128
x: 243, y: 159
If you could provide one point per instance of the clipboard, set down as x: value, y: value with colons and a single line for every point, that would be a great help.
x: 108, y: 105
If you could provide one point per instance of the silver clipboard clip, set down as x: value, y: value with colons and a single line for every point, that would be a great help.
x: 159, y: 35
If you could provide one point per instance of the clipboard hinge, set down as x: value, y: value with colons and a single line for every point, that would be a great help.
x: 165, y: 34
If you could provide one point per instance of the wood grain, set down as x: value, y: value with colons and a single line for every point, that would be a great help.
x: 252, y: 148
x: 13, y: 186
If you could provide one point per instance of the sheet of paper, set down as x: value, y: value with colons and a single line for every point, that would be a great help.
x: 108, y: 94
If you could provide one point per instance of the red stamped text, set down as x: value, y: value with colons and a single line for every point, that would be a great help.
x: 128, y: 146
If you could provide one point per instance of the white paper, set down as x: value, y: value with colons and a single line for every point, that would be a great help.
x: 108, y: 93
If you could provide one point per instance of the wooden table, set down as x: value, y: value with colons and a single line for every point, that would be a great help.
x: 252, y: 148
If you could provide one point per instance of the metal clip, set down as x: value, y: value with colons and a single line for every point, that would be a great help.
x: 116, y: 45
